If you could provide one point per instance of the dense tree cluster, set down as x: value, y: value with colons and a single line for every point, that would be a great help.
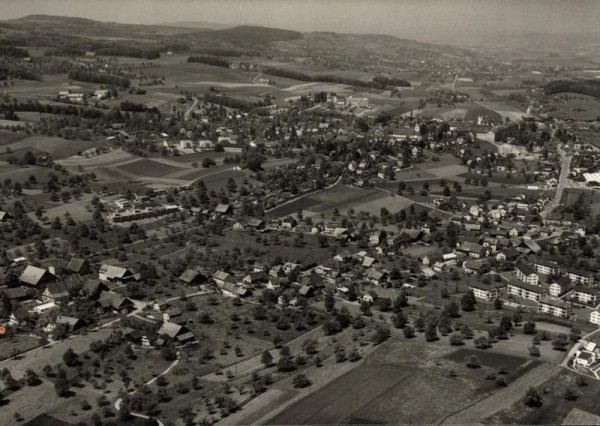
x: 35, y: 106
x: 296, y: 75
x: 96, y: 77
x: 582, y: 87
x: 210, y: 60
x: 15, y: 52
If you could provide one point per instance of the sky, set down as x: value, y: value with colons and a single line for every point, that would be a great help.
x: 427, y: 20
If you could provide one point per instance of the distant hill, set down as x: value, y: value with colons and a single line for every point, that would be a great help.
x: 329, y: 51
x: 198, y: 25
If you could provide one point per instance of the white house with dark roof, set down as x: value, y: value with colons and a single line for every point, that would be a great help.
x: 526, y: 274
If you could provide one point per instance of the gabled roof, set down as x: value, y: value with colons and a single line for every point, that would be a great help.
x: 72, y: 322
x: 525, y: 269
x: 16, y: 293
x: 76, y: 264
x: 223, y: 208
x: 57, y: 290
x: 92, y: 286
x: 470, y: 247
x: 171, y: 329
x: 33, y: 275
x: 220, y: 275
x: 108, y: 299
x: 189, y: 276
x: 114, y: 271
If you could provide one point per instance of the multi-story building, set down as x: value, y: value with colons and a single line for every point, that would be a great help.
x: 546, y: 267
x: 585, y: 294
x: 526, y: 274
x: 554, y: 306
x: 525, y: 291
x: 483, y: 291
x: 581, y: 277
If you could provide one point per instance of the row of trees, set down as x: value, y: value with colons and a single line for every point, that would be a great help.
x: 35, y: 106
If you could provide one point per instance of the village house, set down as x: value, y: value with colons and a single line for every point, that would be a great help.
x: 178, y: 333
x: 191, y: 277
x: 478, y: 266
x: 472, y: 249
x: 115, y: 274
x: 145, y: 339
x: 220, y: 277
x: 110, y: 301
x: 36, y: 277
x: 56, y: 292
x: 79, y: 266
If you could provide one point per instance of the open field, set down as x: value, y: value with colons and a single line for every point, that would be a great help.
x: 503, y: 110
x: 57, y: 147
x: 376, y: 391
x: 17, y: 344
x: 487, y: 358
x: 7, y: 137
x: 113, y: 157
x: 342, y: 197
x: 333, y: 403
x: 573, y: 106
x: 147, y: 167
x: 554, y: 406
x: 570, y: 196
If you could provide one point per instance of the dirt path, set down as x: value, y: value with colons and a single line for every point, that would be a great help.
x: 503, y: 398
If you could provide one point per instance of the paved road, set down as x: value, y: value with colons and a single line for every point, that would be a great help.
x: 316, y: 191
x: 188, y: 112
x: 565, y: 164
x: 504, y: 398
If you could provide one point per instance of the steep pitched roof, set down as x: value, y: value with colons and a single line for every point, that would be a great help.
x: 190, y: 276
x: 92, y: 286
x: 108, y: 299
x: 171, y: 329
x: 77, y: 265
x: 112, y: 272
x: 33, y: 275
x: 57, y: 290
